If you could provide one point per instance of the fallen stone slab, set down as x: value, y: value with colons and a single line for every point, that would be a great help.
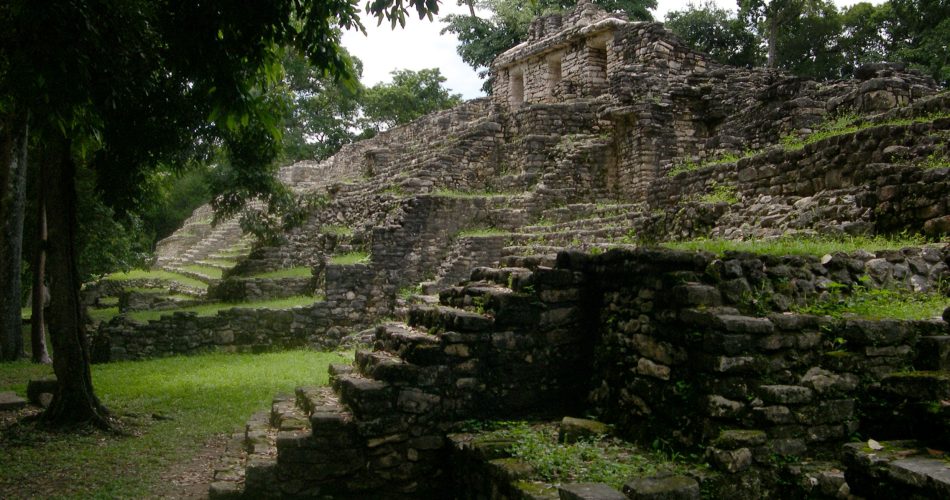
x: 589, y: 491
x: 662, y: 488
x: 9, y: 401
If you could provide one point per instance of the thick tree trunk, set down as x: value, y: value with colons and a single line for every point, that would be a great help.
x: 40, y: 293
x: 13, y: 144
x: 75, y: 401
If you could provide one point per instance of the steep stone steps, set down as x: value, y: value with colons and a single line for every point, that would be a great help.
x: 526, y: 261
x: 897, y: 469
x: 510, y: 276
x: 442, y: 318
x: 468, y: 252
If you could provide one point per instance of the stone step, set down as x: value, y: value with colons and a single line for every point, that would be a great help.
x: 509, y: 276
x: 215, y: 264
x: 260, y: 438
x: 934, y: 353
x: 227, y: 480
x: 526, y: 261
x: 900, y: 469
x: 548, y: 252
x: 389, y: 368
x: 411, y: 345
x: 286, y: 414
x: 9, y: 401
x: 483, y: 295
x: 191, y: 274
x: 365, y: 397
x: 919, y: 386
x: 449, y: 319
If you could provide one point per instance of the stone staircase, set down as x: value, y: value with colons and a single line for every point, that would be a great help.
x: 910, y: 416
x: 380, y: 426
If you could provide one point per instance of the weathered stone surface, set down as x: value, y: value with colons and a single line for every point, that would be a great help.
x: 736, y: 438
x: 731, y: 461
x: 9, y: 401
x: 785, y: 394
x: 589, y: 491
x: 662, y: 488
x: 573, y: 429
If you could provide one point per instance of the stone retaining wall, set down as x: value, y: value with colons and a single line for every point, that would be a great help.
x: 257, y: 289
x: 232, y: 330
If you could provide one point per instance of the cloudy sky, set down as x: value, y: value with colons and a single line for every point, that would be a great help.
x: 420, y: 46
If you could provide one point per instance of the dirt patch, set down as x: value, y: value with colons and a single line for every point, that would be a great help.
x: 190, y: 480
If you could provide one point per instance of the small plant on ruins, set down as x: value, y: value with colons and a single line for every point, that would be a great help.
x: 720, y: 193
x: 397, y: 191
x: 681, y: 167
x: 337, y: 230
x: 936, y: 160
x: 406, y: 293
x: 543, y: 222
x: 849, y: 124
x: 600, y: 459
x: 879, y: 303
x: 349, y: 259
x: 478, y: 304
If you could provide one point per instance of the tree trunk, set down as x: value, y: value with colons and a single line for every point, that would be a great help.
x: 40, y: 293
x: 471, y: 7
x: 13, y: 144
x: 75, y: 401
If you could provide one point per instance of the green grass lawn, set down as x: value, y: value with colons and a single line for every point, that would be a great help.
x: 136, y: 274
x: 351, y: 258
x: 211, y: 272
x: 216, y: 307
x: 293, y: 272
x: 202, y: 396
x: 799, y: 245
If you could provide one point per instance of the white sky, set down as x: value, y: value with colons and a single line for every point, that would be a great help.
x: 420, y: 46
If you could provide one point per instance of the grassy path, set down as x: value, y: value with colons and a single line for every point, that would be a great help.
x: 169, y: 407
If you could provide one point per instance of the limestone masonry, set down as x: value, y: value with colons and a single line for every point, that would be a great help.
x: 491, y: 260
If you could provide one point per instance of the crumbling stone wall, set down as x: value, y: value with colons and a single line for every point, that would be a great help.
x: 232, y: 330
x: 680, y: 356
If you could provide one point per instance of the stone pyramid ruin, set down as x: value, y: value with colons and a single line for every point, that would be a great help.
x: 491, y: 260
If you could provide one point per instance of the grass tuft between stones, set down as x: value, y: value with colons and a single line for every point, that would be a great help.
x: 600, y: 460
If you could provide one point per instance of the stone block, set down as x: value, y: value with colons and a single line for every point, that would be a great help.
x: 720, y: 407
x: 826, y: 382
x: 9, y: 401
x: 662, y: 488
x: 40, y: 392
x: 651, y: 369
x: 589, y: 491
x: 785, y: 394
x: 737, y: 438
x: 573, y: 429
x: 918, y: 386
x: 745, y: 324
x: 697, y: 294
x: 731, y: 461
x: 933, y: 353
